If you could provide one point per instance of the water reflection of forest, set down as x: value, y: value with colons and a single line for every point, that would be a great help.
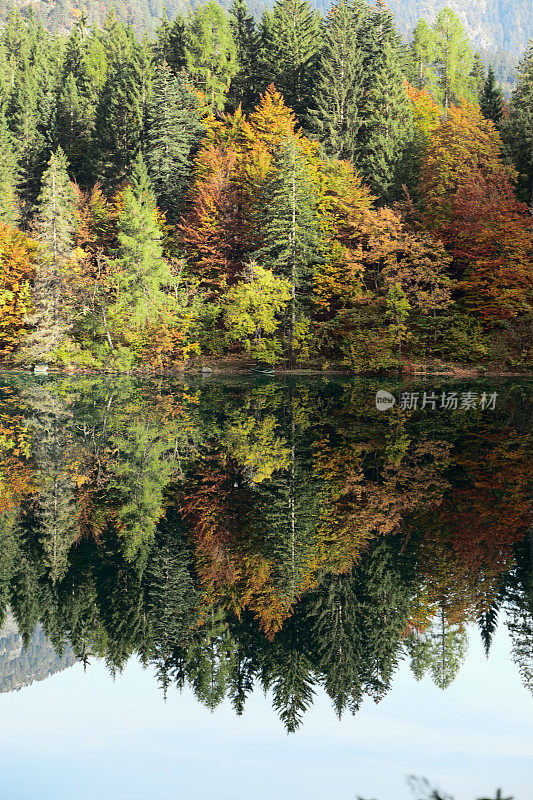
x: 281, y: 534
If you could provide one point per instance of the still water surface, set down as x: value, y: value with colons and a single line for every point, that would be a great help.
x: 267, y: 588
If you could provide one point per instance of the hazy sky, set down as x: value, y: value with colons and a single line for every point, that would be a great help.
x: 80, y: 736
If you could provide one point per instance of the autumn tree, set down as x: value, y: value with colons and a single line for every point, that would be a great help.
x: 18, y: 256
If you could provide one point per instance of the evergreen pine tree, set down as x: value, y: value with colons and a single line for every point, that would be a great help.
x: 339, y: 91
x: 478, y: 76
x: 386, y: 117
x: 120, y: 111
x: 491, y: 100
x: 243, y: 91
x: 170, y: 43
x: 142, y: 271
x: 9, y: 207
x: 290, y: 229
x: 518, y: 129
x: 291, y: 53
x: 55, y: 214
x: 173, y: 129
x: 55, y: 224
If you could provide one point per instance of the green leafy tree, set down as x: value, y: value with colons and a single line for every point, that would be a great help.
x: 454, y: 59
x: 422, y: 57
x: 210, y: 52
x: 252, y: 311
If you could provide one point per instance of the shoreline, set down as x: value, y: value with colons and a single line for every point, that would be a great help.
x: 228, y: 367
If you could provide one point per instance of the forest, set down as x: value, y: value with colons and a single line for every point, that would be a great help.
x: 304, y: 190
x: 278, y: 534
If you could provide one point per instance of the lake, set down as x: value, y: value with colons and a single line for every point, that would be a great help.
x: 265, y: 588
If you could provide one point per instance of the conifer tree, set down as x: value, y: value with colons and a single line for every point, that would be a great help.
x: 291, y: 51
x: 170, y: 43
x: 120, y: 111
x: 9, y: 207
x: 142, y: 270
x: 55, y: 223
x: 172, y: 131
x: 210, y: 52
x: 518, y: 129
x: 491, y: 100
x: 336, y: 118
x: 386, y: 117
x: 290, y: 229
x: 243, y: 90
x: 478, y: 76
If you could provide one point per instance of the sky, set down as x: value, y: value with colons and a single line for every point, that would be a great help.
x: 81, y: 736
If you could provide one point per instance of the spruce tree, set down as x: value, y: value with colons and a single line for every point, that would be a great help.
x: 55, y: 223
x: 142, y: 270
x: 55, y: 214
x: 491, y: 100
x: 120, y: 112
x: 170, y: 43
x: 478, y: 76
x: 9, y: 207
x: 386, y: 117
x: 290, y: 229
x: 172, y: 132
x: 336, y: 117
x: 291, y: 53
x: 518, y: 129
x: 243, y: 90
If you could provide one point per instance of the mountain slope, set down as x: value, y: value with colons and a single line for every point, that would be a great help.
x: 493, y: 25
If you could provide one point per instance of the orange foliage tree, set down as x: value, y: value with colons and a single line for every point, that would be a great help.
x: 468, y: 200
x: 18, y: 255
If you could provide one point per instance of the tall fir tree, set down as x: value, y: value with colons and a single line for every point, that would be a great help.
x: 386, y: 116
x: 142, y: 270
x: 173, y: 130
x: 339, y: 93
x: 518, y: 129
x: 243, y: 90
x: 9, y: 176
x: 290, y: 52
x: 491, y: 100
x: 478, y: 77
x: 291, y: 229
x: 55, y: 224
x: 121, y: 108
